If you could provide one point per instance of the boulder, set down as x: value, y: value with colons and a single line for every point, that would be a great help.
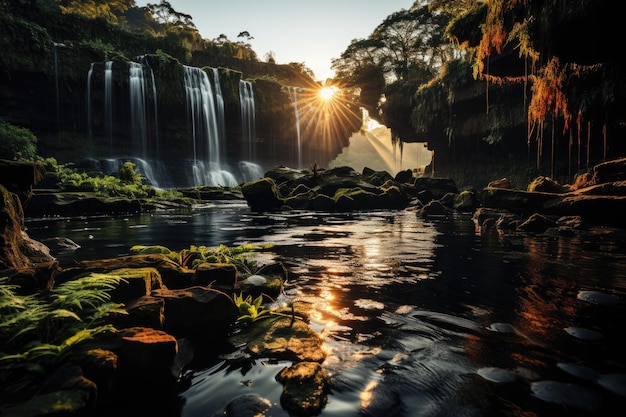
x: 262, y: 194
x: 197, y: 313
x: 17, y: 251
x: 305, y: 388
x: 216, y: 275
x: 172, y: 274
x: 147, y: 354
x: 19, y: 178
x: 64, y: 393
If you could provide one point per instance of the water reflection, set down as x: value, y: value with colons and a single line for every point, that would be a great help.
x: 419, y: 318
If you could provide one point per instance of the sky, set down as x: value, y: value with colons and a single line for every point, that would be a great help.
x: 305, y: 31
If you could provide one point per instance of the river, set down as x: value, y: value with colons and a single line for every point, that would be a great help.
x: 419, y: 317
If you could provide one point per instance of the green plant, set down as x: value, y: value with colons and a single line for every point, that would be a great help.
x: 250, y: 310
x: 16, y: 142
x: 41, y: 331
x: 195, y: 255
x: 129, y: 174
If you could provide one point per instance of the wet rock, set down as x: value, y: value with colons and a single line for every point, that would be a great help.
x: 247, y: 405
x: 145, y: 311
x: 537, y: 223
x: 466, y: 201
x: 197, y: 313
x: 434, y: 208
x: 305, y: 388
x: 136, y: 282
x: 99, y: 366
x: 437, y: 187
x: 262, y: 194
x: 547, y: 185
x: 282, y: 338
x: 504, y: 183
x: 610, y: 171
x: 216, y: 275
x: 16, y: 249
x: 30, y: 280
x: 64, y: 393
x: 79, y: 203
x: 147, y: 354
x: 172, y: 274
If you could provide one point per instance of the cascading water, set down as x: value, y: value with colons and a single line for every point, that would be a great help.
x: 207, y: 169
x: 219, y: 107
x: 138, y: 110
x: 293, y: 95
x: 139, y: 121
x: 89, y: 116
x: 246, y: 98
x: 108, y: 102
x: 249, y: 170
x: 156, y: 114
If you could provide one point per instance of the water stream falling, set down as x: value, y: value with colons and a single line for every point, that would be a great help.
x: 138, y: 110
x: 246, y: 98
x: 108, y: 102
x: 207, y: 167
x: 219, y: 107
x: 89, y: 115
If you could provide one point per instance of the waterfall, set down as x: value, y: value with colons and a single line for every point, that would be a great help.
x: 145, y: 153
x: 138, y: 109
x: 156, y: 114
x: 108, y: 102
x: 219, y: 105
x: 293, y: 95
x: 204, y: 129
x: 248, y: 122
x: 89, y: 115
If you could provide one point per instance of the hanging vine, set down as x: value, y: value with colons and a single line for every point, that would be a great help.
x: 548, y: 99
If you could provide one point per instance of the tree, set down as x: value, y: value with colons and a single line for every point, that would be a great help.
x: 165, y: 14
x: 110, y: 10
x: 407, y: 46
x: 270, y: 57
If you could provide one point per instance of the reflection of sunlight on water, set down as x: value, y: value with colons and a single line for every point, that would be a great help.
x: 367, y: 394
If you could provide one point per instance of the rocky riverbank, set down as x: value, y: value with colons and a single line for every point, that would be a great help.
x: 143, y: 317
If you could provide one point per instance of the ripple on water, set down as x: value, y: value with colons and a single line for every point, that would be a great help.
x: 616, y: 383
x: 598, y: 297
x: 584, y: 334
x: 567, y: 394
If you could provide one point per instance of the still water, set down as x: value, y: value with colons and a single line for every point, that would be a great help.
x: 419, y: 317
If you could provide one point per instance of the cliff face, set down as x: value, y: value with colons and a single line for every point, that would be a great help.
x: 550, y: 100
x: 188, y: 123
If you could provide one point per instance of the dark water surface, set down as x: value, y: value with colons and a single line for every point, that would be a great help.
x: 418, y: 317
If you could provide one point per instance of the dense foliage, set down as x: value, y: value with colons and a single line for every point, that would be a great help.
x: 545, y: 59
x: 16, y: 142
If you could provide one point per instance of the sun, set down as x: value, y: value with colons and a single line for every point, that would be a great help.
x: 327, y: 93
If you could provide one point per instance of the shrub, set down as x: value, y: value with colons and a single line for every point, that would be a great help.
x: 16, y: 142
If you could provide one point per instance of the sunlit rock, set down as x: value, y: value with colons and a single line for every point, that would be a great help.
x: 146, y: 355
x: 305, y: 388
